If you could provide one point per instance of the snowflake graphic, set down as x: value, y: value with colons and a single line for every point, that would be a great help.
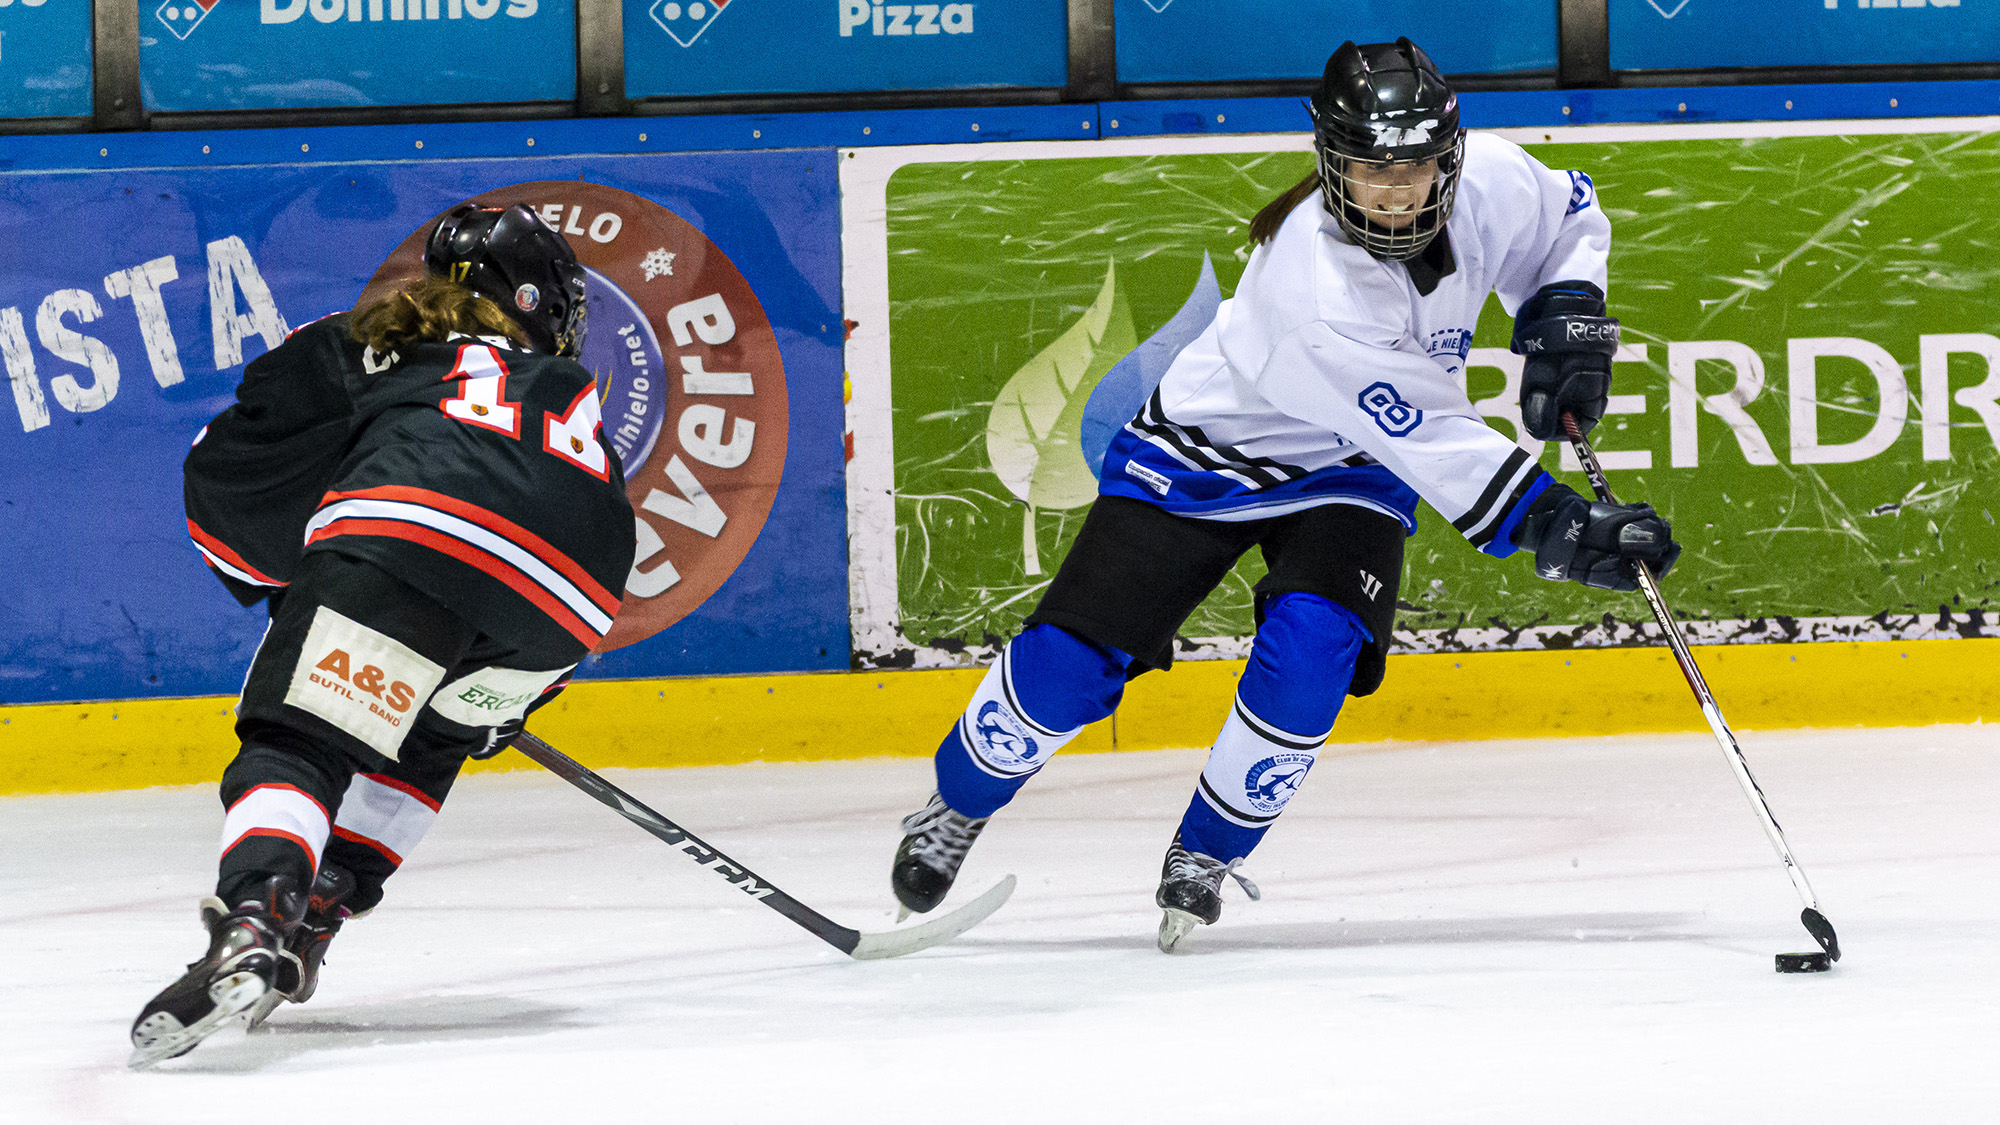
x: 656, y: 263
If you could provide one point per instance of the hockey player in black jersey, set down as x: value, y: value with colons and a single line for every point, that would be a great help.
x: 421, y: 491
x: 1322, y: 401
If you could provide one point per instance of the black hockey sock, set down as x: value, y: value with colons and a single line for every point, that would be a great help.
x: 280, y: 808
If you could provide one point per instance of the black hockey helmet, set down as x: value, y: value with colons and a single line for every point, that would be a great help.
x: 511, y: 257
x: 1386, y: 104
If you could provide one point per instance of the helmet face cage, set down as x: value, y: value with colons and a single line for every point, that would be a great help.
x: 509, y: 256
x: 1385, y: 106
x: 576, y: 313
x: 1389, y: 243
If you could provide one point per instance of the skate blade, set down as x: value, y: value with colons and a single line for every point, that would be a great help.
x: 1175, y: 926
x: 262, y: 1009
x: 902, y: 914
x: 232, y: 995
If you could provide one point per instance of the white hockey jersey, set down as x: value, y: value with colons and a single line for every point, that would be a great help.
x: 1330, y: 379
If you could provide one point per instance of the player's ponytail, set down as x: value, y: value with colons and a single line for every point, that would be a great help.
x: 1265, y: 226
x: 429, y: 310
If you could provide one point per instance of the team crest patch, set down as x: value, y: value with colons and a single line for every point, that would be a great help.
x: 1271, y: 782
x: 1003, y: 742
x: 492, y: 696
x: 363, y: 682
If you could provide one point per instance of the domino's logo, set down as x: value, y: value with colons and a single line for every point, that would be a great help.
x: 684, y: 22
x: 181, y: 17
x: 1396, y: 417
x: 1582, y: 193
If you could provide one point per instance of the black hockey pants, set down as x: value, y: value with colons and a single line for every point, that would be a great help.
x: 360, y: 707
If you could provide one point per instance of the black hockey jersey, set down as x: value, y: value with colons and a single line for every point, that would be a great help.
x: 472, y: 470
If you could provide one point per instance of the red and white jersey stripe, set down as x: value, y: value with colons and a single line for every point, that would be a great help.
x: 491, y: 543
x: 383, y: 813
x: 282, y: 811
x: 222, y: 558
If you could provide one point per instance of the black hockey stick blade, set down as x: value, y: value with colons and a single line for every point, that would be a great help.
x: 1822, y: 931
x: 854, y: 943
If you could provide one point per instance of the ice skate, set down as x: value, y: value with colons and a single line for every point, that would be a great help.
x: 246, y: 948
x: 298, y: 973
x: 935, y: 840
x: 1191, y: 892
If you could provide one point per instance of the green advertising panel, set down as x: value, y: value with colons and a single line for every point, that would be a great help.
x: 1808, y: 388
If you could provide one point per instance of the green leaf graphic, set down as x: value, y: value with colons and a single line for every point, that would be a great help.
x: 1031, y: 435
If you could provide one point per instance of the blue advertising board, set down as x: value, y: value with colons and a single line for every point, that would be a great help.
x: 1683, y: 34
x: 691, y: 47
x: 294, y: 54
x: 44, y: 58
x: 1223, y: 40
x: 125, y: 327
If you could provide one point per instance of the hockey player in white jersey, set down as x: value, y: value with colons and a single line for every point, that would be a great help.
x: 1322, y: 401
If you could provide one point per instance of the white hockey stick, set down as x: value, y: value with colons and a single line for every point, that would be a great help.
x: 856, y: 944
x: 1814, y: 921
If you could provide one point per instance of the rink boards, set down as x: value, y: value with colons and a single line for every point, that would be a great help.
x: 1808, y: 389
x: 1426, y: 697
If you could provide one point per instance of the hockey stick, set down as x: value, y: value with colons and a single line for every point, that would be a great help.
x: 1814, y: 921
x: 854, y: 943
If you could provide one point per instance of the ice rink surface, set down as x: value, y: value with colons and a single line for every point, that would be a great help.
x: 1575, y: 930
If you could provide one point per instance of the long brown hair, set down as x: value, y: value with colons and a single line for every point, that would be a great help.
x: 1266, y: 224
x: 430, y: 309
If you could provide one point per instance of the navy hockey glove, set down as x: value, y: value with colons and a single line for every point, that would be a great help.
x: 1568, y: 342
x: 1595, y: 543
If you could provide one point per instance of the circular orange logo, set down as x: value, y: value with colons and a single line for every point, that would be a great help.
x: 690, y: 378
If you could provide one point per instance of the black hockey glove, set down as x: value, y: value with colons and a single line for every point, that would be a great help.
x: 498, y: 739
x: 1568, y: 342
x: 1595, y: 543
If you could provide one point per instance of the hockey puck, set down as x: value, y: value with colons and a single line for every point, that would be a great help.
x: 1814, y: 962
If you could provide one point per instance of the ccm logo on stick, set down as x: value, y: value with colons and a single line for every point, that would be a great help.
x: 905, y: 19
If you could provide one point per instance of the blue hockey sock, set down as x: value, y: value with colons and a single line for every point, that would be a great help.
x: 1203, y: 830
x: 1047, y: 685
x: 1300, y: 667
